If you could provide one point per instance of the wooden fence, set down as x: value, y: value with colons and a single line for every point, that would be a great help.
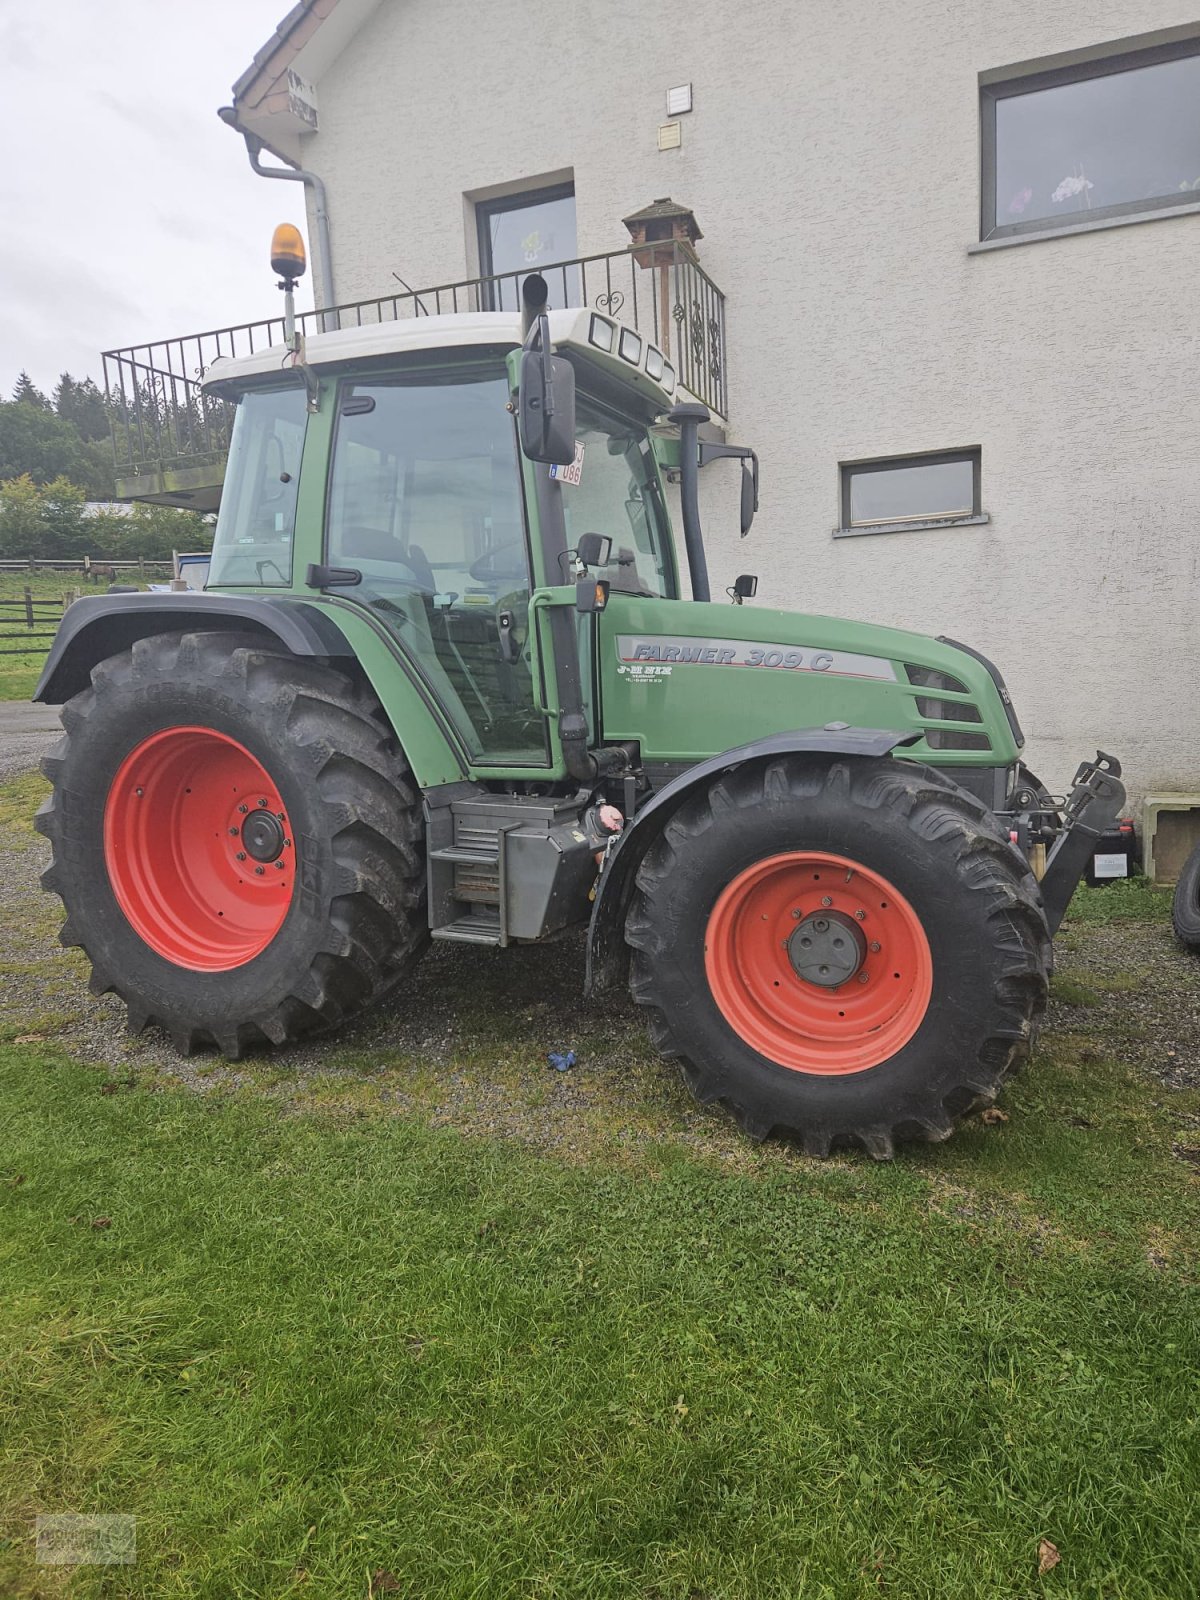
x: 27, y: 625
x: 96, y: 569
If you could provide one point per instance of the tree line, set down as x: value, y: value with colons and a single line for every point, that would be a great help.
x: 55, y: 456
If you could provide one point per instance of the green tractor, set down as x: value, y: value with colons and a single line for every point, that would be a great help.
x: 443, y: 684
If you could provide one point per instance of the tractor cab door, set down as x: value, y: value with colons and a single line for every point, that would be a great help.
x: 425, y: 502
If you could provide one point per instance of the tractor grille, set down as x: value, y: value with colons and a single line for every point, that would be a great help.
x: 931, y: 678
x: 479, y: 837
x: 947, y: 710
x: 953, y: 739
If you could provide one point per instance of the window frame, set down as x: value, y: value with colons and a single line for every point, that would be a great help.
x: 485, y: 210
x: 1004, y: 88
x: 847, y: 470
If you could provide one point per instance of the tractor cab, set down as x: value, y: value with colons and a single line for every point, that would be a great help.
x: 402, y: 490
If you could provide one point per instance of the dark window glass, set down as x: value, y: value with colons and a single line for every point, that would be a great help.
x: 524, y: 233
x: 425, y: 501
x: 910, y: 489
x: 1091, y: 142
x: 253, y: 542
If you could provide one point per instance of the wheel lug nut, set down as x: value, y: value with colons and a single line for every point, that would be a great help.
x: 139, y: 793
x: 279, y: 865
x: 243, y: 808
x: 281, y: 815
x: 862, y: 977
x: 258, y: 871
x: 876, y: 947
x: 861, y: 916
x: 826, y: 900
x: 262, y: 802
x: 234, y: 832
x: 797, y: 915
x: 287, y: 844
x: 241, y: 855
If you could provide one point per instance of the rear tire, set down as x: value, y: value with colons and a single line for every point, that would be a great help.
x: 1185, y: 908
x: 951, y: 916
x: 325, y: 900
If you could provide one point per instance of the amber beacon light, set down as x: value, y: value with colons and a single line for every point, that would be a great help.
x: 287, y: 252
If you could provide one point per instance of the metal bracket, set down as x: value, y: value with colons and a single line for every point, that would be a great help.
x: 1091, y: 808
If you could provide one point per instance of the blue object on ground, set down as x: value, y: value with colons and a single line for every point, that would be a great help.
x: 561, y: 1060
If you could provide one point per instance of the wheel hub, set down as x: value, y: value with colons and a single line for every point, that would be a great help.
x: 818, y: 962
x: 198, y: 848
x: 827, y: 948
x: 262, y: 835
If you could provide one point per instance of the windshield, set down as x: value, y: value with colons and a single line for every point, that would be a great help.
x: 618, y: 495
x: 257, y: 521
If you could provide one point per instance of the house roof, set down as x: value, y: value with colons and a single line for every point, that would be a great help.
x: 267, y: 99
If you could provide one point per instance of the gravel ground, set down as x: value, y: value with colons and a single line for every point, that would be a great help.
x: 1140, y: 995
x: 467, y: 1042
x: 26, y: 733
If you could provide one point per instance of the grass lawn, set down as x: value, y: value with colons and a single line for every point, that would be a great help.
x: 317, y: 1345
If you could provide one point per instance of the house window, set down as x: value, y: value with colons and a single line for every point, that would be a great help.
x: 896, y: 493
x: 524, y: 233
x: 1092, y: 142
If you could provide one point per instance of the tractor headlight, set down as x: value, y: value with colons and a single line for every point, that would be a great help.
x: 630, y: 347
x: 601, y: 333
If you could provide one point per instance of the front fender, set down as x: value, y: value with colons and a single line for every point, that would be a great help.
x: 606, y: 951
x: 103, y: 625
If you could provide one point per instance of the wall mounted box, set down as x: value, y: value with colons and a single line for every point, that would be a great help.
x: 1170, y: 832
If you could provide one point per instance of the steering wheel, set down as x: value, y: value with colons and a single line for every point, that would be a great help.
x: 487, y: 566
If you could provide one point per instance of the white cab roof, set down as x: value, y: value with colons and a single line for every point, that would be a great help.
x: 619, y: 350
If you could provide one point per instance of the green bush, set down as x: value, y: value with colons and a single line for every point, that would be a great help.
x: 50, y: 521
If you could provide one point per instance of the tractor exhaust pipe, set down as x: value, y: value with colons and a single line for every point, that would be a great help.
x: 535, y: 293
x: 689, y: 417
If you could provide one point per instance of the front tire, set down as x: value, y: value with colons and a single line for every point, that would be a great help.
x: 1185, y: 908
x: 845, y: 953
x: 237, y: 841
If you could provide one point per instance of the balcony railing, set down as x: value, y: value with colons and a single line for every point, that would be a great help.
x: 170, y: 439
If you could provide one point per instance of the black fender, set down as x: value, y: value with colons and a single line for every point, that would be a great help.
x: 104, y: 625
x: 607, y: 954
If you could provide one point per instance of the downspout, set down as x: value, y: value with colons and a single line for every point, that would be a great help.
x: 294, y: 174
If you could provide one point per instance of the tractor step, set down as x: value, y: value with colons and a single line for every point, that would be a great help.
x: 504, y: 867
x: 477, y: 928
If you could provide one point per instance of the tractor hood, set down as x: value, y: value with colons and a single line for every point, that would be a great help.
x: 688, y: 681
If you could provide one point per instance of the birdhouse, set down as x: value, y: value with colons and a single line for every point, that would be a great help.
x: 661, y: 232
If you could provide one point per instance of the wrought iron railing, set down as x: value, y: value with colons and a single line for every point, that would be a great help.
x: 163, y: 422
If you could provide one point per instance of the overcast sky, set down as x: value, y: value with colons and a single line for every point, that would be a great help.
x: 128, y: 211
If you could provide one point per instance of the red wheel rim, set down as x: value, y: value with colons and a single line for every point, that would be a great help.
x: 753, y: 944
x: 199, y: 849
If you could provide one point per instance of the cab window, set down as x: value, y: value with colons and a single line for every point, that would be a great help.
x: 618, y: 494
x: 257, y: 522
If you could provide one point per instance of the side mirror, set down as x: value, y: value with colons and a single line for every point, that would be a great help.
x: 594, y: 549
x: 546, y: 405
x: 744, y: 588
x: 749, y: 494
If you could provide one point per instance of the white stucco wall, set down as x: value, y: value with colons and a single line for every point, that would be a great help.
x: 832, y: 162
